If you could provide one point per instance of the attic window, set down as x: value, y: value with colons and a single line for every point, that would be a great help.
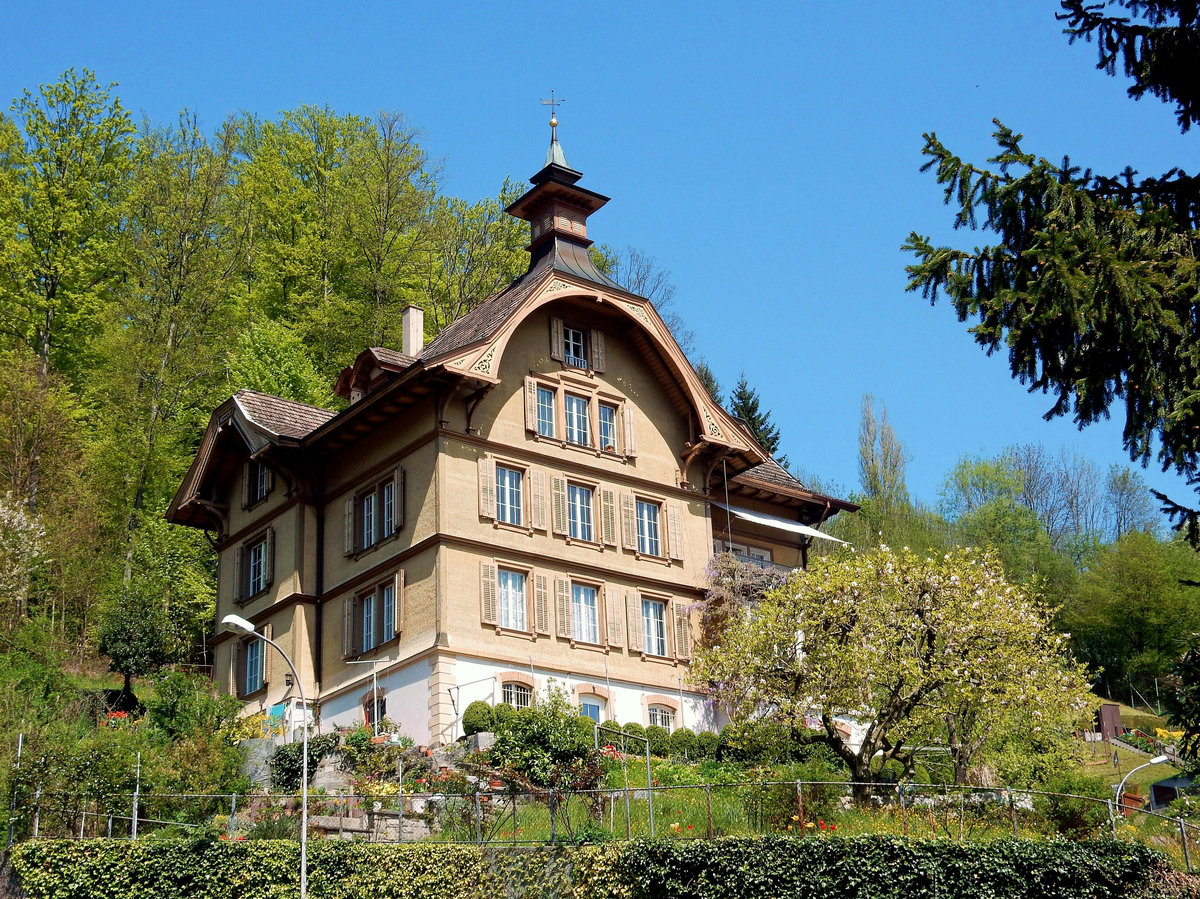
x: 574, y: 352
x: 577, y: 347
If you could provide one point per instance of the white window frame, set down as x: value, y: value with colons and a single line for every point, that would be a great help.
x: 254, y: 671
x: 256, y: 567
x: 512, y: 608
x: 376, y: 616
x: 576, y: 414
x: 547, y: 401
x: 519, y: 696
x: 661, y: 716
x: 654, y: 638
x: 585, y: 612
x: 510, y: 497
x: 595, y: 702
x: 575, y: 339
x: 607, y: 437
x: 580, y: 517
x: 649, y: 527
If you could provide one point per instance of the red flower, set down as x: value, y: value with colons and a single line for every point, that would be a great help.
x: 689, y: 827
x: 822, y: 824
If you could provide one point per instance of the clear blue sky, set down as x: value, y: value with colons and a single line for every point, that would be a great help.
x: 767, y: 156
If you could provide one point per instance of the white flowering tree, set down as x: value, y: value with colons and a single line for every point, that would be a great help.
x: 915, y: 649
x: 21, y: 552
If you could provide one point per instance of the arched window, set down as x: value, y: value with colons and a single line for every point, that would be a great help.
x: 661, y: 715
x: 517, y: 695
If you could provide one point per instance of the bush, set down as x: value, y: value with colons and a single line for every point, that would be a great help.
x: 548, y: 744
x: 502, y: 712
x: 684, y: 743
x: 286, y: 763
x: 1072, y: 817
x: 707, y: 743
x: 660, y: 740
x: 477, y: 718
x: 634, y: 728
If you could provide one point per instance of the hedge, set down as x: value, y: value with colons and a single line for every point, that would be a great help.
x: 878, y: 867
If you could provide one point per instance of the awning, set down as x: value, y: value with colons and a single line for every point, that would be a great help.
x: 779, y: 524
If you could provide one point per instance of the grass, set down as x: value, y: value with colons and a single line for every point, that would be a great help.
x: 1101, y: 765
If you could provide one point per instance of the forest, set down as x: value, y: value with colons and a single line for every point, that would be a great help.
x: 148, y: 271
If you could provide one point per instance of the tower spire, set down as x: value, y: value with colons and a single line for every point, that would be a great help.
x: 555, y: 155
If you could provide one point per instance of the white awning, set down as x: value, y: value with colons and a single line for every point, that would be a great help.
x: 779, y: 524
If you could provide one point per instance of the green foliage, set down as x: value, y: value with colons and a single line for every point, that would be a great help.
x: 270, y: 358
x: 660, y: 740
x: 502, y: 711
x: 744, y: 405
x: 684, y: 743
x: 477, y: 718
x: 133, y: 634
x: 183, y: 705
x: 547, y: 744
x: 706, y: 744
x: 288, y: 760
x: 721, y: 869
x: 1075, y: 818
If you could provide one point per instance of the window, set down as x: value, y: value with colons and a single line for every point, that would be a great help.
x: 375, y: 514
x: 576, y: 408
x: 545, y: 411
x: 654, y: 627
x: 661, y: 716
x: 512, y: 599
x: 573, y: 347
x: 258, y: 484
x: 579, y: 512
x: 518, y: 696
x: 608, y: 427
x: 585, y: 620
x: 374, y: 707
x: 508, y: 495
x: 592, y: 707
x: 647, y: 528
x: 256, y: 565
x: 254, y: 665
x: 373, y: 618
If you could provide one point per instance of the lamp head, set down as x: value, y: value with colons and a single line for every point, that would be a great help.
x: 237, y: 624
x: 1159, y: 759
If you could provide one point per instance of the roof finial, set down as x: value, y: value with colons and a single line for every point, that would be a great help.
x: 555, y: 153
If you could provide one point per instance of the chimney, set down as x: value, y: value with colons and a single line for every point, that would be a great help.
x: 412, y: 330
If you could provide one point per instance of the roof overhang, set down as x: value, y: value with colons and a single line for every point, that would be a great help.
x: 775, y: 522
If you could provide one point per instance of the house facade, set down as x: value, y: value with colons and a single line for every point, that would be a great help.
x: 530, y: 498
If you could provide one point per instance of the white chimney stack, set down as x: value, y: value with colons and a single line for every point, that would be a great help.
x: 412, y: 330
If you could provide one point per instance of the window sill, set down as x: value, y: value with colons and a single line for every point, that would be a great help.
x: 515, y: 528
x: 589, y: 646
x: 647, y: 557
x: 583, y: 448
x: 367, y: 550
x: 384, y: 644
x: 259, y: 693
x: 586, y: 544
x: 513, y: 632
x: 246, y: 600
x: 661, y: 660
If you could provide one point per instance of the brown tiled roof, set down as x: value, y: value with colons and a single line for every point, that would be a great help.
x: 484, y: 320
x: 283, y: 417
x: 391, y: 358
x: 772, y: 473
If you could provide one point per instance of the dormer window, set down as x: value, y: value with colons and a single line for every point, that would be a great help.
x: 257, y: 483
x: 574, y: 352
x: 577, y: 347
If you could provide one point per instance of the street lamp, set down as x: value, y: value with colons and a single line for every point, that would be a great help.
x: 240, y: 625
x: 1157, y: 760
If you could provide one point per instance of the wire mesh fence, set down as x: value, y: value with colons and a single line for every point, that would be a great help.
x: 505, y: 815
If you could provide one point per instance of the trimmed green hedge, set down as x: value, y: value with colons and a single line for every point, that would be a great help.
x: 883, y: 867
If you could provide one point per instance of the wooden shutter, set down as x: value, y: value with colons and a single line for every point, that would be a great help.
x: 399, y: 485
x: 629, y: 522
x: 268, y: 654
x: 562, y: 610
x: 487, y: 592
x: 597, y: 350
x: 537, y: 499
x: 247, y: 469
x: 683, y: 633
x: 269, y: 558
x: 349, y: 604
x: 269, y: 487
x: 541, y: 605
x: 630, y: 448
x: 398, y: 603
x: 239, y: 588
x: 531, y: 416
x: 237, y: 674
x: 487, y: 488
x: 349, y: 525
x: 674, y: 532
x: 559, y: 489
x: 614, y: 615
x: 557, y: 349
x: 633, y: 602
x: 608, y: 517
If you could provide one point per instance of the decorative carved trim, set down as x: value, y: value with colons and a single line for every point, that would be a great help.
x: 558, y: 284
x: 484, y: 365
x: 460, y: 362
x: 713, y: 430
x: 640, y: 312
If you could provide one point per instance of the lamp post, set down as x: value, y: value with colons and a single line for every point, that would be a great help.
x: 1157, y: 760
x: 239, y: 625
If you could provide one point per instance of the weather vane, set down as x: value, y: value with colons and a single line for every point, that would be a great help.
x: 553, y: 103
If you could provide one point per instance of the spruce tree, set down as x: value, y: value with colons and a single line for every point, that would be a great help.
x: 711, y: 384
x: 744, y: 404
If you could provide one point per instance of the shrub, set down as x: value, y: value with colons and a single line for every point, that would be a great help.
x: 684, y: 743
x: 548, y: 744
x: 502, y: 712
x: 634, y: 728
x: 706, y: 745
x: 1072, y: 817
x: 477, y: 718
x: 660, y: 740
x: 286, y: 763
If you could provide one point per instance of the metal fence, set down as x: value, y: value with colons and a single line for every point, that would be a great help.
x: 503, y: 815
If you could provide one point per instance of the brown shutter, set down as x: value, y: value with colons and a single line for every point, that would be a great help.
x: 349, y: 605
x: 537, y: 499
x: 531, y: 420
x: 270, y: 485
x: 629, y: 522
x: 608, y: 517
x: 613, y: 613
x: 487, y: 592
x: 683, y: 633
x: 237, y: 572
x: 237, y: 674
x: 487, y: 488
x: 562, y: 610
x: 398, y: 603
x: 399, y: 485
x: 557, y: 349
x: 269, y: 558
x: 541, y: 605
x: 247, y: 469
x: 559, y: 489
x: 630, y: 448
x: 675, y: 532
x: 349, y: 525
x: 597, y: 350
x: 637, y: 642
x: 268, y: 654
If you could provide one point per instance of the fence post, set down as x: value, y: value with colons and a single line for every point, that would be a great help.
x: 232, y: 814
x: 552, y: 816
x: 1012, y: 808
x: 800, y: 803
x: 1112, y: 822
x: 650, y: 789
x: 708, y: 800
x: 82, y: 815
x: 628, y: 833
x: 903, y: 810
x: 12, y: 789
x: 1187, y: 856
x: 110, y: 825
x: 37, y: 811
x: 961, y: 812
x: 137, y: 789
